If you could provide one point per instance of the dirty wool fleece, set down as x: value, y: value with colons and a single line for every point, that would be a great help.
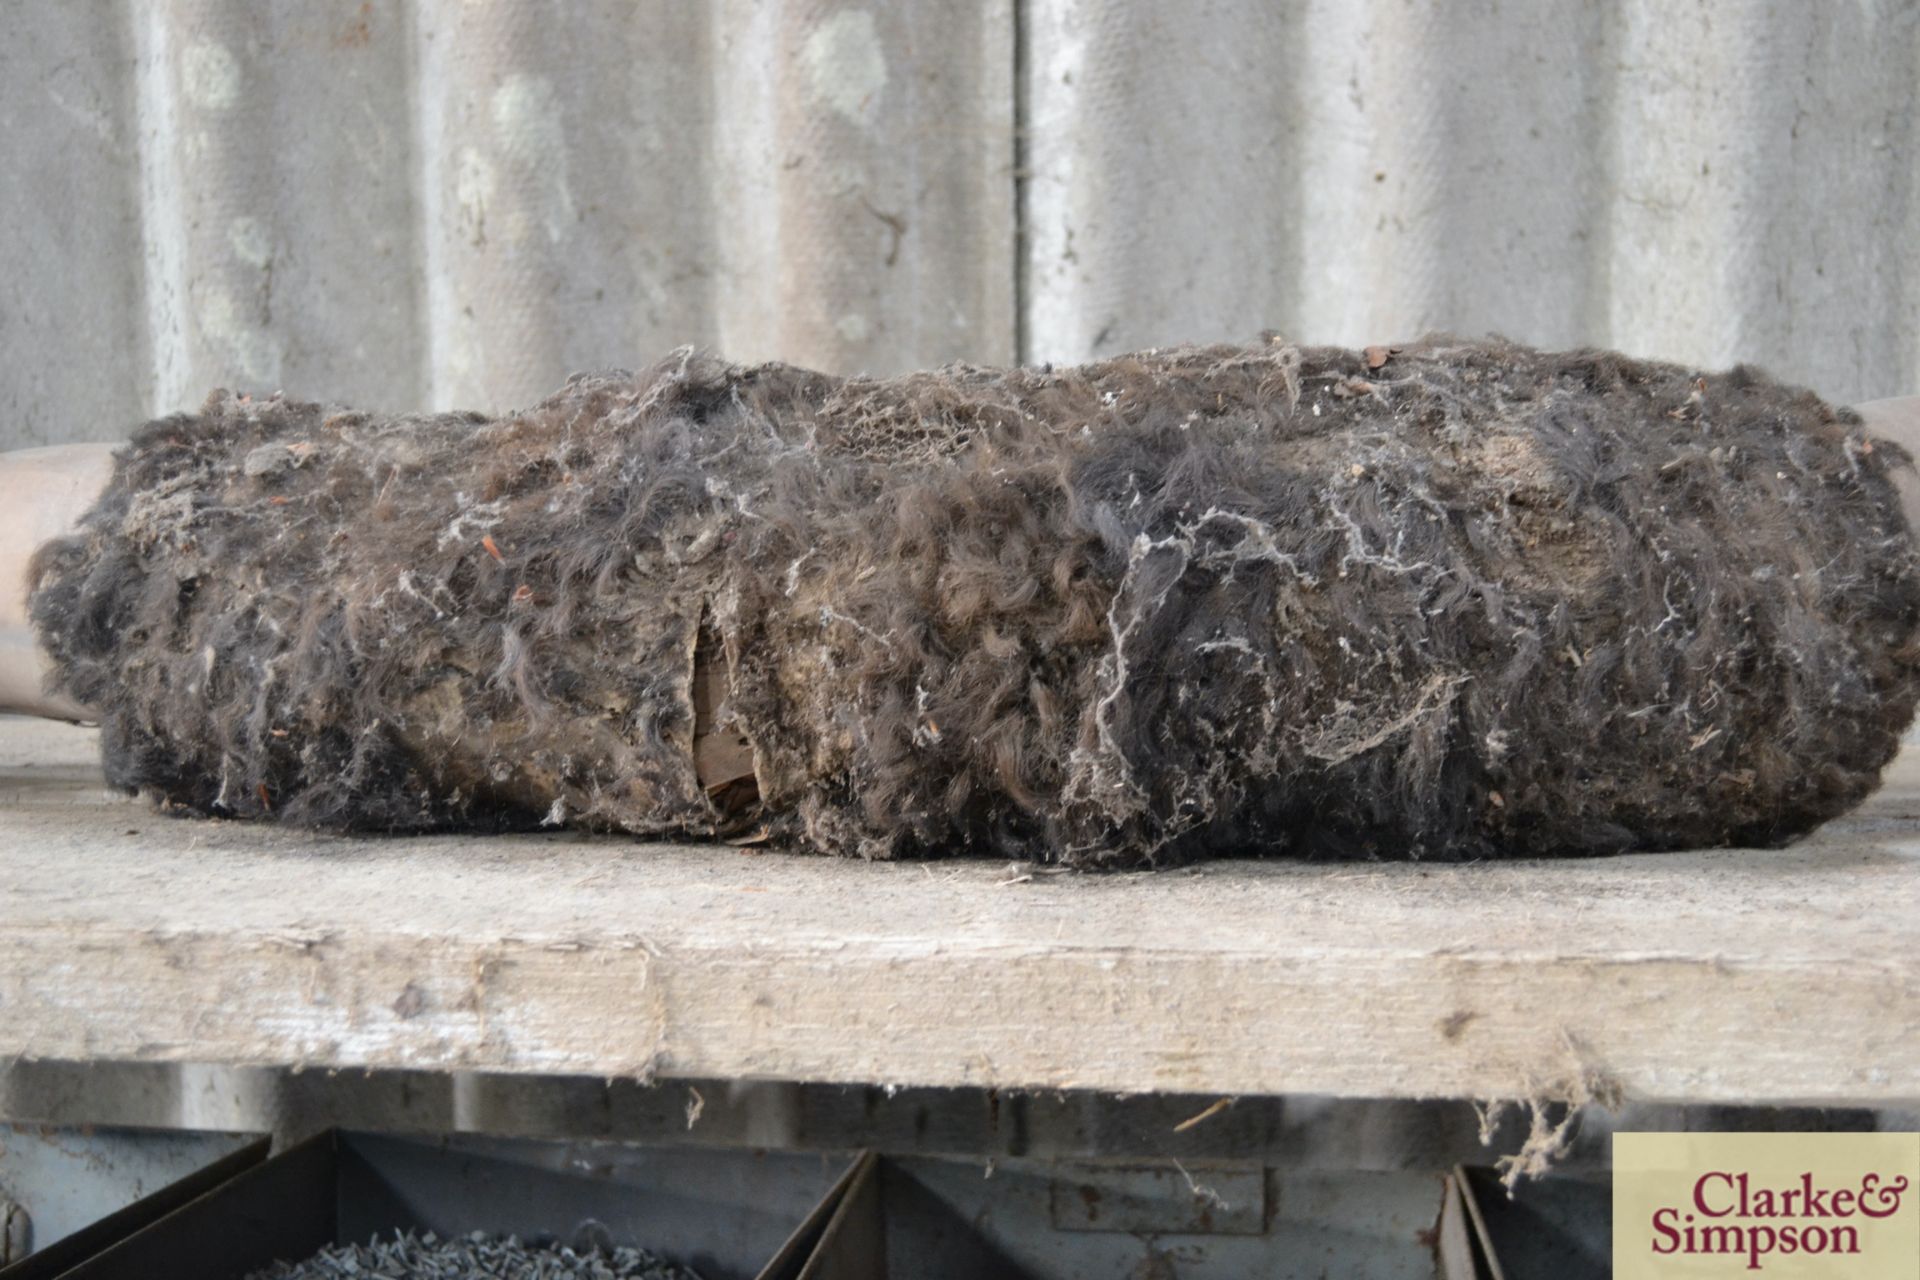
x: 1458, y: 599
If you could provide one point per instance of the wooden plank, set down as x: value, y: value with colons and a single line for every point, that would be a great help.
x: 1785, y: 976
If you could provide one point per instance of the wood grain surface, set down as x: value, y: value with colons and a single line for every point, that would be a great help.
x: 1727, y: 975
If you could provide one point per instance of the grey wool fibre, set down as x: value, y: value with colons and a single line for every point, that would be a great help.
x: 1458, y: 599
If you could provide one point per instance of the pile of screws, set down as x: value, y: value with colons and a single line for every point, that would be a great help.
x: 472, y: 1257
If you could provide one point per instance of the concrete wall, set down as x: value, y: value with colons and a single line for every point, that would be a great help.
x: 455, y: 203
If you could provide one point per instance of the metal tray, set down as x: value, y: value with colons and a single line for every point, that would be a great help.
x: 70, y: 1251
x: 732, y: 1215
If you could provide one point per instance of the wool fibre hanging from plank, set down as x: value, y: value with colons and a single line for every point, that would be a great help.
x: 1460, y: 599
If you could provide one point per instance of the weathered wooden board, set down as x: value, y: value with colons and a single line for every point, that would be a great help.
x: 1787, y: 976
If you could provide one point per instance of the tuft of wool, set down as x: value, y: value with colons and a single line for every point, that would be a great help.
x: 1458, y: 599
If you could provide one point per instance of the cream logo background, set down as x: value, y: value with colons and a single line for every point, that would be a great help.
x: 1778, y: 1205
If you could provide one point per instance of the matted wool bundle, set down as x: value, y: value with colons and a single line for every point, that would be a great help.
x: 1459, y: 599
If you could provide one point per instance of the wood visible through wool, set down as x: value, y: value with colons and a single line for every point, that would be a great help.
x: 1456, y: 599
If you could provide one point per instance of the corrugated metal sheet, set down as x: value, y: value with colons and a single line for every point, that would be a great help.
x: 457, y: 203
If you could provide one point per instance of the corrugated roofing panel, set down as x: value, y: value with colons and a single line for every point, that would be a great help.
x: 457, y: 203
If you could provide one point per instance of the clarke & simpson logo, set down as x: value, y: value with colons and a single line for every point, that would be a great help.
x: 1774, y: 1204
x: 1727, y: 1216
